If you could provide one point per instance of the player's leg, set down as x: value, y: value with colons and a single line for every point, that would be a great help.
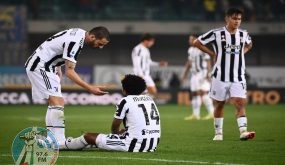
x: 108, y: 142
x: 56, y: 118
x: 207, y: 101
x: 151, y: 88
x: 238, y: 99
x: 195, y: 98
x: 46, y: 85
x: 218, y: 93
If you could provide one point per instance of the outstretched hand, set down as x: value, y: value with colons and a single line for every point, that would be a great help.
x: 96, y: 90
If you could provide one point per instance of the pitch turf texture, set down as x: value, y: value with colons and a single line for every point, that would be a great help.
x: 182, y: 142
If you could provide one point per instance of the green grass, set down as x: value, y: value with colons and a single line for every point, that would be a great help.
x: 189, y: 141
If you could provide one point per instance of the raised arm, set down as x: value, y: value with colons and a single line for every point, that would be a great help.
x: 72, y: 75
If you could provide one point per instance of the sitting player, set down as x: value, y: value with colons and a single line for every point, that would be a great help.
x: 140, y: 118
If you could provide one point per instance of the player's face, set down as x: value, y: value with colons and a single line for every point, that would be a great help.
x: 99, y: 43
x: 234, y: 21
x: 150, y: 43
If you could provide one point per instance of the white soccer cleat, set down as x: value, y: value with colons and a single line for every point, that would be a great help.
x: 208, y: 117
x: 218, y: 137
x: 192, y: 117
x: 247, y: 135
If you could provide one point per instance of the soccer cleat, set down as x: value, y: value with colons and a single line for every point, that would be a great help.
x: 208, y: 117
x: 218, y: 137
x: 192, y: 117
x: 247, y: 135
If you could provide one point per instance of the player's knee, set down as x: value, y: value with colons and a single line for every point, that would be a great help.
x: 152, y: 91
x: 239, y: 103
x: 219, y: 105
x: 90, y: 138
x: 56, y: 101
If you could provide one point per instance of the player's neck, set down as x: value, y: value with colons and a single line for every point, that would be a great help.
x: 231, y: 30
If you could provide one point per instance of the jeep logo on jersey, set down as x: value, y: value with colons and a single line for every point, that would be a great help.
x: 232, y: 46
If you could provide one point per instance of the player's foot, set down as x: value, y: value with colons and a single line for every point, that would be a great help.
x: 247, y: 135
x: 208, y: 117
x: 192, y: 117
x: 218, y: 137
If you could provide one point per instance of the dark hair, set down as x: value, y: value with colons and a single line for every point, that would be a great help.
x: 101, y: 32
x: 234, y: 11
x: 133, y: 85
x: 147, y: 37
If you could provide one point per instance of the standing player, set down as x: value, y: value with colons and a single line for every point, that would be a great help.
x: 142, y: 62
x: 200, y: 64
x: 228, y: 77
x: 139, y: 116
x: 43, y: 68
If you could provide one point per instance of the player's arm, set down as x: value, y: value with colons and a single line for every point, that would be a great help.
x: 59, y: 72
x: 71, y: 74
x: 115, y: 128
x: 186, y: 70
x: 204, y: 48
x: 209, y: 67
x: 160, y: 63
x: 248, y: 44
x: 247, y: 47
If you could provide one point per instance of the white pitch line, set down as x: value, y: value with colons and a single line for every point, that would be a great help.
x: 142, y: 159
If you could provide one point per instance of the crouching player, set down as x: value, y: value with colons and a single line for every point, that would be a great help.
x: 139, y: 116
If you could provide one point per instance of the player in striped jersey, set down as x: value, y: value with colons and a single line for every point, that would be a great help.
x: 139, y: 116
x: 43, y: 68
x: 228, y: 77
x: 200, y: 65
x: 142, y: 62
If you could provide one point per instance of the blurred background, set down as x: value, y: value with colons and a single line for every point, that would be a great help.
x: 25, y: 24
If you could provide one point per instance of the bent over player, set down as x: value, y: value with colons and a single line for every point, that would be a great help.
x: 139, y: 116
x: 228, y: 76
x: 43, y: 68
x: 199, y: 64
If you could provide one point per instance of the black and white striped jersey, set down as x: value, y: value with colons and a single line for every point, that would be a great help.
x: 199, y: 60
x: 230, y: 63
x: 142, y: 60
x: 65, y: 45
x: 142, y: 122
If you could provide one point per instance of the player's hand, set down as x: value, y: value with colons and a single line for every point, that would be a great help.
x: 96, y: 90
x: 163, y: 63
x: 183, y: 78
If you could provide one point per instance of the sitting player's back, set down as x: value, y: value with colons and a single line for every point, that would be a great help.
x: 141, y: 122
x: 139, y: 116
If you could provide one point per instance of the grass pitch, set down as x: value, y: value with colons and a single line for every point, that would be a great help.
x: 182, y: 142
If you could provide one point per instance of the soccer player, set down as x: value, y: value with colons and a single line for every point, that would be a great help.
x: 200, y: 65
x: 142, y: 62
x: 230, y: 43
x: 43, y: 68
x: 139, y: 116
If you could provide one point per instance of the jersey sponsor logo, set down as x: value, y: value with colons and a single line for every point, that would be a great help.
x: 238, y: 47
x: 149, y: 132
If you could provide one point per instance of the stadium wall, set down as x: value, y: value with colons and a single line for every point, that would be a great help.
x: 266, y: 85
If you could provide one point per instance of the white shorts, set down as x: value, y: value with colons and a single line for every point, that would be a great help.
x: 114, y: 142
x: 44, y: 84
x: 199, y: 82
x: 149, y: 81
x: 221, y: 91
